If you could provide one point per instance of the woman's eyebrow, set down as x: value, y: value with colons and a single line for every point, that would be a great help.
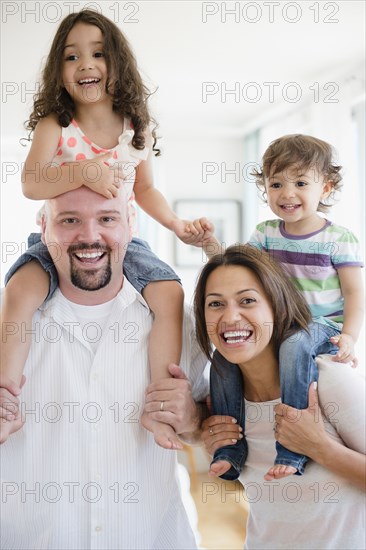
x: 237, y: 293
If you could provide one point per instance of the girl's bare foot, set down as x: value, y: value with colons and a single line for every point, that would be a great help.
x: 219, y: 468
x: 279, y: 471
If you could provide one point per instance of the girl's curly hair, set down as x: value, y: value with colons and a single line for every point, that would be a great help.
x: 124, y: 82
x: 302, y: 152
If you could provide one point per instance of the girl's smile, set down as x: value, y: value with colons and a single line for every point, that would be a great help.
x: 84, y: 67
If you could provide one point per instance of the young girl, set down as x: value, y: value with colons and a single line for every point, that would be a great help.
x: 297, y: 179
x: 91, y: 127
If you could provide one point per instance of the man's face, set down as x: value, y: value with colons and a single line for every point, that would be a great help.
x: 87, y: 236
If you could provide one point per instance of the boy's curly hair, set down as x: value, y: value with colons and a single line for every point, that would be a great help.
x: 124, y: 83
x: 301, y: 152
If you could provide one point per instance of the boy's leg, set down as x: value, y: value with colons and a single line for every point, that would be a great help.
x: 298, y: 370
x: 227, y: 398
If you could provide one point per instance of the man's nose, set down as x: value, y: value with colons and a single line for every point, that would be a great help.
x: 89, y: 232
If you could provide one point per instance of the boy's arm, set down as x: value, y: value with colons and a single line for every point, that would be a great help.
x: 353, y: 294
x: 41, y: 180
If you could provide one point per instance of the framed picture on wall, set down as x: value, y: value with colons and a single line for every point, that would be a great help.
x: 224, y: 214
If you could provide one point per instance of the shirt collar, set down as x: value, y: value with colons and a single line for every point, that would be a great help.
x: 125, y: 297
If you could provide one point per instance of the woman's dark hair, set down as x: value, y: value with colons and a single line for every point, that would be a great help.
x: 124, y: 83
x: 302, y: 152
x: 291, y: 312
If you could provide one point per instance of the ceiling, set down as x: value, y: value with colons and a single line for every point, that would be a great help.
x: 196, y: 52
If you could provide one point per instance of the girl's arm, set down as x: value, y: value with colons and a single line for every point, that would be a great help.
x: 41, y: 180
x: 353, y: 294
x: 197, y: 233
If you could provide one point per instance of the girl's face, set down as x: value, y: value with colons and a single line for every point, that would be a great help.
x: 84, y: 66
x: 294, y: 196
x: 239, y: 317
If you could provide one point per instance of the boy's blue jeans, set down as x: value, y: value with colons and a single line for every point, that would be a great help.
x: 297, y: 370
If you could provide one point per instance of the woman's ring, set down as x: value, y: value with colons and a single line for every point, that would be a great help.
x: 161, y: 405
x: 211, y: 431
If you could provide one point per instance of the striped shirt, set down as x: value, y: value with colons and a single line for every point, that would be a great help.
x: 83, y: 473
x: 312, y: 261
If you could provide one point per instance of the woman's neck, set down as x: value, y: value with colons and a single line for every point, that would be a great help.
x: 261, y: 378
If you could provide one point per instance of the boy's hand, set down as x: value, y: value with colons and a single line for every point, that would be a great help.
x: 346, y: 353
x: 102, y: 178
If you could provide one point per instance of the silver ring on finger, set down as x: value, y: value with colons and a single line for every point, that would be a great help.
x: 211, y: 431
x: 161, y: 405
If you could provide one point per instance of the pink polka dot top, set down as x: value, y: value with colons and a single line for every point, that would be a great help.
x: 75, y: 146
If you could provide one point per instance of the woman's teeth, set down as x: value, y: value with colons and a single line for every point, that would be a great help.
x: 236, y: 336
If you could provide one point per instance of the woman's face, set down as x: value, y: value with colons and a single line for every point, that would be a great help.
x: 239, y: 317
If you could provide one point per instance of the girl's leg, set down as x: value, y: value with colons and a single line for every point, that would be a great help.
x: 165, y: 299
x: 227, y: 398
x: 298, y: 370
x: 24, y: 293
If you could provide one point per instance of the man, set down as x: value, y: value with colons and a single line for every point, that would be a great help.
x: 82, y: 473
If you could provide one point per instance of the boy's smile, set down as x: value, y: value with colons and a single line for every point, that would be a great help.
x: 294, y: 196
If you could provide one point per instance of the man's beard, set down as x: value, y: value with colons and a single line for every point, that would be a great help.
x: 89, y: 279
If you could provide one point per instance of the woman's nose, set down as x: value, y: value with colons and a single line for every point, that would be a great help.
x: 231, y: 315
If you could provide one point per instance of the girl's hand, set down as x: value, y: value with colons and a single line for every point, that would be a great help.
x: 346, y: 353
x: 102, y: 178
x: 198, y: 233
x: 218, y: 431
x: 301, y: 431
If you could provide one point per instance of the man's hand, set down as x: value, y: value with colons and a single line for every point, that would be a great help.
x: 170, y: 401
x: 301, y: 431
x: 10, y: 418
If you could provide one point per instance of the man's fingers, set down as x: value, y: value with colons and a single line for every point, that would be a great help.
x: 176, y: 372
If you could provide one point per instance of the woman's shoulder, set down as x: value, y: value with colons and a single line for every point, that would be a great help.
x: 341, y: 391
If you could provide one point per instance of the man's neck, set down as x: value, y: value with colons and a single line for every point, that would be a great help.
x: 91, y: 297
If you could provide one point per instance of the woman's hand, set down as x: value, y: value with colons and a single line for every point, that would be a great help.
x: 301, y: 431
x: 218, y: 431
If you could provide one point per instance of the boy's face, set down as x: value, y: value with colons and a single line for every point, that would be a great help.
x: 294, y: 194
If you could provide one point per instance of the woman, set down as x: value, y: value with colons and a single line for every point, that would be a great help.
x: 245, y: 306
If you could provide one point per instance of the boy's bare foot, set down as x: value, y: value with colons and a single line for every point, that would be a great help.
x: 279, y: 471
x: 219, y: 468
x: 164, y: 434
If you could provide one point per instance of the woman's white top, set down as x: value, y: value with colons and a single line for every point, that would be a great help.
x: 318, y: 509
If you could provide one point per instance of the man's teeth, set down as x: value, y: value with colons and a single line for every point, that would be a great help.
x: 234, y: 336
x: 89, y: 255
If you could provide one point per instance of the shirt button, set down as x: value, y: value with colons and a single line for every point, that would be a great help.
x: 98, y: 528
x: 94, y: 376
